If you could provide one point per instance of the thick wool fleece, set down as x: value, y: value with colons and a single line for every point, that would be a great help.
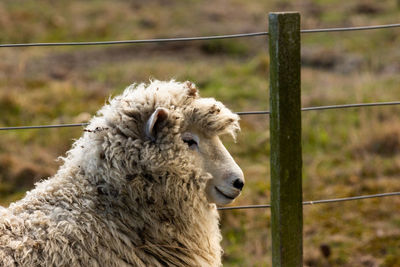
x: 121, y: 199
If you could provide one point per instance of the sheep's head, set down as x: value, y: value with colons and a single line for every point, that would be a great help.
x: 203, y: 120
x: 165, y: 127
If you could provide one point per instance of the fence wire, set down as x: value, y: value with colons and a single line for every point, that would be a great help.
x: 345, y: 29
x: 44, y: 126
x: 243, y: 113
x: 315, y: 201
x: 201, y: 38
x: 161, y: 40
x: 343, y: 106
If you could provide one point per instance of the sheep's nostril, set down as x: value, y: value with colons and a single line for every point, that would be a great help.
x: 238, y: 183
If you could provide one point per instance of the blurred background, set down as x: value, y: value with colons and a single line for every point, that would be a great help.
x: 345, y: 152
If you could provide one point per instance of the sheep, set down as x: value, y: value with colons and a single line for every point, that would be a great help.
x: 139, y: 188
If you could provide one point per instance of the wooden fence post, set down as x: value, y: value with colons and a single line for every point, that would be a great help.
x: 285, y: 131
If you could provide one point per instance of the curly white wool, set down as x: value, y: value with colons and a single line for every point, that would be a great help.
x: 120, y: 198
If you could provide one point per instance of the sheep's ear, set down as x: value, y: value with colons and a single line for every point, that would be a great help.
x: 156, y: 119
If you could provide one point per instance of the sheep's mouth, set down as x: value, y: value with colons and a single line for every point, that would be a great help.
x: 223, y: 194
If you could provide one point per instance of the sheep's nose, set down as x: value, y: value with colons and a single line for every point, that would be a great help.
x: 238, y: 183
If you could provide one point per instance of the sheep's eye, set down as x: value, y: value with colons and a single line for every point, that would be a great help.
x: 191, y: 140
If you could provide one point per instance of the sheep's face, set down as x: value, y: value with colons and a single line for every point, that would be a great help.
x: 198, y: 122
x: 209, y: 154
x: 227, y: 177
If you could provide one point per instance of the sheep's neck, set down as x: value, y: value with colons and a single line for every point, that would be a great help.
x: 169, y: 217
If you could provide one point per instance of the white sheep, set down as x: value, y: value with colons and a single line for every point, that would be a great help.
x: 139, y: 188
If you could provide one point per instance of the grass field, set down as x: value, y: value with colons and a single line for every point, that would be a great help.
x: 345, y: 152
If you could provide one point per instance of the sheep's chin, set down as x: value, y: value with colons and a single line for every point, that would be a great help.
x: 219, y: 195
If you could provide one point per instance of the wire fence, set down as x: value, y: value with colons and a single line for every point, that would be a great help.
x: 242, y: 113
x: 322, y: 201
x: 217, y: 37
x: 200, y: 38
